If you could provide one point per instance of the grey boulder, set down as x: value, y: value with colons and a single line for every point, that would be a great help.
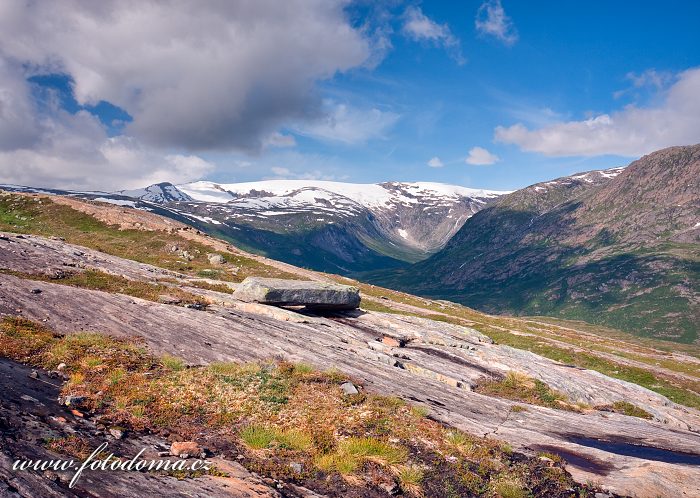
x: 282, y: 292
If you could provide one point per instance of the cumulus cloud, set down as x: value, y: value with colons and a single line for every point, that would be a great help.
x: 631, y: 131
x: 435, y: 162
x: 77, y: 154
x: 20, y: 125
x: 491, y: 20
x: 347, y: 124
x: 479, y: 156
x: 218, y: 76
x: 420, y: 27
x: 42, y: 144
x: 214, y: 75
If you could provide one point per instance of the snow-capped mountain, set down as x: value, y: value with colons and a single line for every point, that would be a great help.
x: 158, y: 193
x: 417, y: 218
x: 326, y: 225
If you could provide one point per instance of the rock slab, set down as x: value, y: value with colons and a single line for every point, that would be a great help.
x: 282, y: 292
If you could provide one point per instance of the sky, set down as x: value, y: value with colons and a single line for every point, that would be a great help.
x: 495, y: 94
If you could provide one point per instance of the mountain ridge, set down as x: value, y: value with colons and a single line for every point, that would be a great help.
x: 329, y: 226
x: 619, y: 251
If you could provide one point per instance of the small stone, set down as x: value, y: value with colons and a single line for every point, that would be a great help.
x: 74, y: 400
x: 390, y: 488
x: 391, y: 342
x: 116, y: 433
x: 349, y: 388
x: 216, y: 259
x: 296, y: 467
x: 185, y: 449
x: 168, y: 299
x: 547, y: 460
x: 61, y: 367
x: 35, y: 291
x: 34, y: 374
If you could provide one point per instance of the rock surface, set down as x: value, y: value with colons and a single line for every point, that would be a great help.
x: 281, y: 292
x: 436, y: 368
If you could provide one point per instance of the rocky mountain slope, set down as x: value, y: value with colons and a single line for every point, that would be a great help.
x: 619, y: 247
x: 71, y: 266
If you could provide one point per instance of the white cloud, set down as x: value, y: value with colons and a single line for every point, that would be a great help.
x: 479, y: 156
x: 212, y: 75
x: 492, y: 20
x: 350, y: 125
x: 420, y: 27
x: 648, y: 79
x: 631, y: 131
x: 44, y: 145
x: 435, y: 162
x: 78, y: 155
x: 215, y: 76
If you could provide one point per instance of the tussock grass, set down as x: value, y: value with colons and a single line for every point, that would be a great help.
x: 351, y: 453
x: 260, y: 437
x: 410, y: 478
x: 509, y: 487
x: 629, y: 409
x: 519, y: 386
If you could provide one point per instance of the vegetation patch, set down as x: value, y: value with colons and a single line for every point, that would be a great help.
x: 626, y: 408
x: 276, y: 415
x: 115, y: 284
x: 521, y: 387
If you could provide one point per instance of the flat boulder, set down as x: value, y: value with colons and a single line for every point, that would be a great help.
x: 283, y: 292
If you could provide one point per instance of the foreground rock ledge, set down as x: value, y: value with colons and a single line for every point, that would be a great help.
x: 282, y: 292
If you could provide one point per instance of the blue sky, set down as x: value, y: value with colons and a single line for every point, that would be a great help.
x: 487, y: 94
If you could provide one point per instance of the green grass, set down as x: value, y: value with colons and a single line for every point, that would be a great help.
x: 28, y: 214
x: 631, y: 410
x: 352, y: 452
x: 172, y: 363
x: 258, y: 437
x: 520, y: 387
x: 114, y: 284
